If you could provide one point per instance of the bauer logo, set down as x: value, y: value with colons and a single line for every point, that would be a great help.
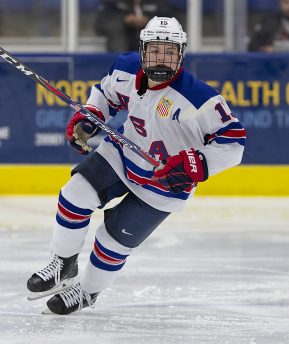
x: 192, y: 161
x: 164, y: 107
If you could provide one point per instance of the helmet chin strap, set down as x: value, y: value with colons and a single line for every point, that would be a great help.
x: 159, y: 73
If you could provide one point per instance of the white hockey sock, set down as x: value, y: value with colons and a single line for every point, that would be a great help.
x: 77, y: 201
x: 106, y: 259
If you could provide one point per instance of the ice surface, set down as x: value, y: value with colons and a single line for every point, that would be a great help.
x: 216, y: 273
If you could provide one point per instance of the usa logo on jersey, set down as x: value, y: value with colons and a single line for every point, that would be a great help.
x: 164, y: 107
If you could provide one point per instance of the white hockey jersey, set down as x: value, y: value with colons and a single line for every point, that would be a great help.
x: 180, y: 114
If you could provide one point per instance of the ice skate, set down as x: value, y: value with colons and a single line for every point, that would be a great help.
x: 70, y: 300
x: 58, y: 275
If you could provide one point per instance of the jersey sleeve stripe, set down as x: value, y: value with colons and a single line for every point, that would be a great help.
x: 222, y: 140
x: 234, y: 132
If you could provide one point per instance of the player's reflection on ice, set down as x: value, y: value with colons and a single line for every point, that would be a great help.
x: 216, y: 273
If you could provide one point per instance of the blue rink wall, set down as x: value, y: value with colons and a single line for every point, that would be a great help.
x: 35, y: 159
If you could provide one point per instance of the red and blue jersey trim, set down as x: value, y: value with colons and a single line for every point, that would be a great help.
x: 142, y: 177
x: 234, y: 132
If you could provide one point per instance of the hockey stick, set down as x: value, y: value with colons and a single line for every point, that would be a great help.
x: 78, y: 107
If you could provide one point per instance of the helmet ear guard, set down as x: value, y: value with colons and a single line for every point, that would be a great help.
x: 162, y: 30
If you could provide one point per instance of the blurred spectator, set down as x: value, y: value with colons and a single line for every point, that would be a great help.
x: 272, y: 33
x: 178, y: 9
x: 121, y: 21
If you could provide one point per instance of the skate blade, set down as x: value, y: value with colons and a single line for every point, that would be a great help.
x: 47, y: 311
x: 57, y: 289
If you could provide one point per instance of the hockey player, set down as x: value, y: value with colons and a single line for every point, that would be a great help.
x: 178, y: 119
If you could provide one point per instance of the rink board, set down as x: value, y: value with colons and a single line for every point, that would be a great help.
x: 256, y: 180
x: 36, y: 159
x: 255, y: 86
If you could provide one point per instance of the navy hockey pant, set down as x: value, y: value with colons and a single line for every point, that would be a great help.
x: 132, y: 220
